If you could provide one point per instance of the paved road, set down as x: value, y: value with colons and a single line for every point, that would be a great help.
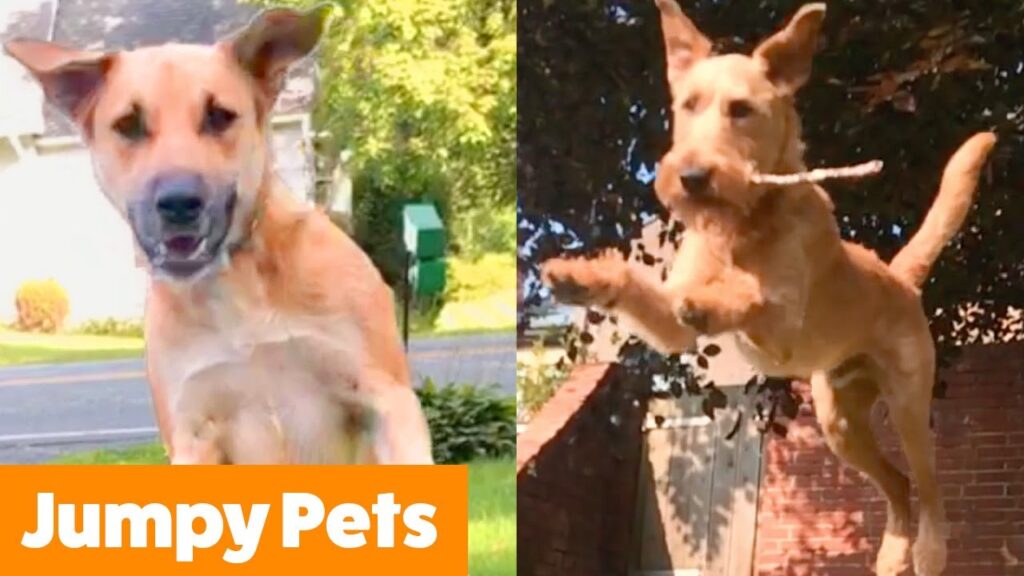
x: 50, y: 410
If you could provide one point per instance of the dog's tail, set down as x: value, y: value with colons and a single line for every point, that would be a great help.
x: 948, y: 212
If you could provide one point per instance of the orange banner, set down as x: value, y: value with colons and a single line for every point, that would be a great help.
x: 233, y: 519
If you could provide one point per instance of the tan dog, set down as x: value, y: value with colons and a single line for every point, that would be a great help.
x: 271, y: 337
x: 768, y: 265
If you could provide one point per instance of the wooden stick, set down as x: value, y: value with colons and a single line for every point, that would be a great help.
x: 818, y: 174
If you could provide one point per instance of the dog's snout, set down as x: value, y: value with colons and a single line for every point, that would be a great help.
x: 696, y: 180
x: 179, y: 198
x: 180, y: 207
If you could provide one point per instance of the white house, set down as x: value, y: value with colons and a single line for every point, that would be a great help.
x: 54, y: 221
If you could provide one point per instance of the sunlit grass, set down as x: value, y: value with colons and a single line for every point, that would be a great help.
x: 481, y: 296
x: 492, y: 518
x: 24, y: 348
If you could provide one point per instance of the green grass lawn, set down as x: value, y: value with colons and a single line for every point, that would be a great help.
x: 144, y: 454
x: 492, y: 518
x: 492, y: 504
x: 24, y: 348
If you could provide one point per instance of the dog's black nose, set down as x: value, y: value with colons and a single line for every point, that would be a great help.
x: 179, y: 208
x: 179, y: 199
x: 696, y: 180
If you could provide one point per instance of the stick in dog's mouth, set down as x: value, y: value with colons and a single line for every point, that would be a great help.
x: 818, y: 174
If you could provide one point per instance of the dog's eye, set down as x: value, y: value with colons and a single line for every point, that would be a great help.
x: 132, y: 126
x: 690, y: 104
x: 740, y: 109
x: 217, y: 119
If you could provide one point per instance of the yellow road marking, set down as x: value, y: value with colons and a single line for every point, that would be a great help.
x: 468, y: 352
x: 75, y: 378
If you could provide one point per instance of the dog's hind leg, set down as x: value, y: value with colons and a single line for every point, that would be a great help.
x: 909, y: 409
x: 844, y: 413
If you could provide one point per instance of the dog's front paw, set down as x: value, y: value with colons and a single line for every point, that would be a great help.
x: 596, y: 282
x: 718, y: 307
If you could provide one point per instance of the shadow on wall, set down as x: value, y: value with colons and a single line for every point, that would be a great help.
x: 699, y: 486
x: 819, y: 517
x: 590, y: 502
x: 812, y: 517
x: 577, y: 476
x: 599, y: 495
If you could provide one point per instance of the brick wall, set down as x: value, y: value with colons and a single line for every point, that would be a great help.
x: 819, y: 517
x: 577, y: 468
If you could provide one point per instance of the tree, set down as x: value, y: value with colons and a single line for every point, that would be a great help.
x: 904, y: 81
x: 422, y: 92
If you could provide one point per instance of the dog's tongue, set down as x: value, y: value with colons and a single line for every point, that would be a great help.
x: 183, y: 245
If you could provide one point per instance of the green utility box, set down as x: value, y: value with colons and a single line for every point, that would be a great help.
x: 428, y: 276
x: 423, y: 231
x: 424, y: 238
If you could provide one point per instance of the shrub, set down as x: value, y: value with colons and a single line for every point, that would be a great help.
x: 111, y: 327
x: 536, y: 380
x: 468, y: 422
x: 42, y: 306
x: 380, y: 192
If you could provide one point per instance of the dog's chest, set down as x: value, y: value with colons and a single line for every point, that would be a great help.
x: 768, y: 356
x: 268, y: 388
x: 259, y: 360
x: 783, y: 351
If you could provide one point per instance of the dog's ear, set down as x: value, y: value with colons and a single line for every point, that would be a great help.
x: 788, y: 54
x: 684, y: 44
x: 275, y: 40
x: 70, y: 78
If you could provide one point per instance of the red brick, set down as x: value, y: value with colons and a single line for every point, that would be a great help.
x: 579, y: 507
x: 1000, y: 477
x: 984, y: 490
x: 980, y: 460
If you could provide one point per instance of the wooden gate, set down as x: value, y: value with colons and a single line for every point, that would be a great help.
x: 698, y: 490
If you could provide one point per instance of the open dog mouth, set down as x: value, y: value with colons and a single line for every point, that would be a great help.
x: 185, y: 253
x: 184, y: 245
x: 183, y: 256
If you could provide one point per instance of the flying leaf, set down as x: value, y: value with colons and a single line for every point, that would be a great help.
x: 735, y: 427
x: 677, y: 388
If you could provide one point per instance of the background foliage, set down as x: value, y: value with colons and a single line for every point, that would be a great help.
x: 905, y: 81
x: 119, y: 327
x: 422, y: 92
x: 468, y: 422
